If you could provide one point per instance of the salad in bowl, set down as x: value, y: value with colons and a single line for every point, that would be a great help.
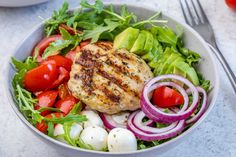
x: 104, y: 80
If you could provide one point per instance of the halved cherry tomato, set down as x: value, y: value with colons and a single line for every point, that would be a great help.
x: 43, y: 126
x: 84, y: 43
x: 41, y: 77
x: 60, y: 61
x: 46, y: 99
x: 167, y: 97
x: 43, y: 44
x: 63, y: 77
x: 71, y: 55
x: 66, y: 104
x: 231, y: 4
x: 63, y: 91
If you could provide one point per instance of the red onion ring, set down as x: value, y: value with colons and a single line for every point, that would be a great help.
x: 203, y: 106
x: 109, y: 122
x: 137, y: 121
x: 184, y: 113
x: 155, y: 136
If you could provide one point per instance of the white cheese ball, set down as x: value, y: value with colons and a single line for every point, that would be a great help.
x: 75, y: 131
x: 94, y: 136
x: 121, y: 140
x: 93, y: 118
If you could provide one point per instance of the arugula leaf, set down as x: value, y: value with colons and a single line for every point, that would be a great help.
x: 26, y: 103
x: 166, y: 35
x: 191, y: 57
x: 97, y: 32
x: 205, y: 84
x: 50, y: 128
x: 67, y: 129
x: 98, y: 6
x: 68, y: 118
x: 77, y: 108
x: 55, y: 48
x: 57, y: 18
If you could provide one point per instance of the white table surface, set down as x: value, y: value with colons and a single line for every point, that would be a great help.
x: 215, y: 137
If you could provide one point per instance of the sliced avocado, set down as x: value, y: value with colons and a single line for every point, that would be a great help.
x: 126, y: 38
x: 168, y: 62
x: 161, y: 61
x: 149, y: 42
x: 139, y: 44
x: 190, y: 72
x: 179, y: 72
x: 171, y: 67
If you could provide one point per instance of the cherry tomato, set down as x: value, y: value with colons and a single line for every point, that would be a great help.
x: 60, y: 61
x: 46, y: 99
x: 63, y: 91
x: 41, y: 77
x: 65, y: 105
x: 167, y: 97
x: 43, y: 44
x: 84, y: 43
x: 231, y: 4
x: 71, y: 55
x: 43, y: 126
x: 63, y: 77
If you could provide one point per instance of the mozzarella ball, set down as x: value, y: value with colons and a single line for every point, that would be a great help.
x: 75, y: 131
x: 93, y: 118
x: 121, y: 118
x: 58, y: 130
x: 94, y: 136
x: 121, y: 140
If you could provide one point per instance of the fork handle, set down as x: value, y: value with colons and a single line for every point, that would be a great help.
x: 225, y: 65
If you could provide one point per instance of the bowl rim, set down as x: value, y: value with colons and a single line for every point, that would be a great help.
x: 195, y: 125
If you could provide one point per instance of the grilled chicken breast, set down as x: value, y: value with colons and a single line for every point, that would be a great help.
x: 108, y: 80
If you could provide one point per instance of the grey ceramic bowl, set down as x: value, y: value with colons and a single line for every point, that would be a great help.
x: 192, y: 41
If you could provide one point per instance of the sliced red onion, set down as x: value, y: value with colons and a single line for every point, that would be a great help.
x: 137, y: 121
x: 203, y: 106
x: 159, y: 115
x: 155, y: 136
x: 110, y: 123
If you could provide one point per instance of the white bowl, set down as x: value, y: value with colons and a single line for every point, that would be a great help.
x: 20, y: 3
x: 192, y: 40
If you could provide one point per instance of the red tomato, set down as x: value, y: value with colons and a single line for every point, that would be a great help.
x: 43, y: 44
x: 43, y: 126
x: 65, y: 105
x: 63, y: 91
x: 60, y: 61
x: 84, y: 43
x: 41, y: 77
x: 63, y: 77
x: 71, y: 55
x: 231, y: 4
x: 46, y: 99
x: 167, y: 97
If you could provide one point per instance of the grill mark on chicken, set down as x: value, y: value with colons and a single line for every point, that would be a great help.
x: 118, y: 82
x: 123, y: 69
x: 109, y: 94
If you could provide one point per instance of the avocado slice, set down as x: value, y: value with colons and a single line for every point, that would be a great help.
x: 168, y: 62
x: 190, y: 72
x: 171, y: 67
x: 149, y: 42
x: 139, y: 44
x: 126, y: 38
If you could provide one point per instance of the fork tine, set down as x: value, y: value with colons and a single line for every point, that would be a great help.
x: 196, y: 12
x: 189, y: 11
x: 189, y: 22
x: 204, y: 17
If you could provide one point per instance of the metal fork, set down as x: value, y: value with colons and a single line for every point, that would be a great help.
x: 197, y: 19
